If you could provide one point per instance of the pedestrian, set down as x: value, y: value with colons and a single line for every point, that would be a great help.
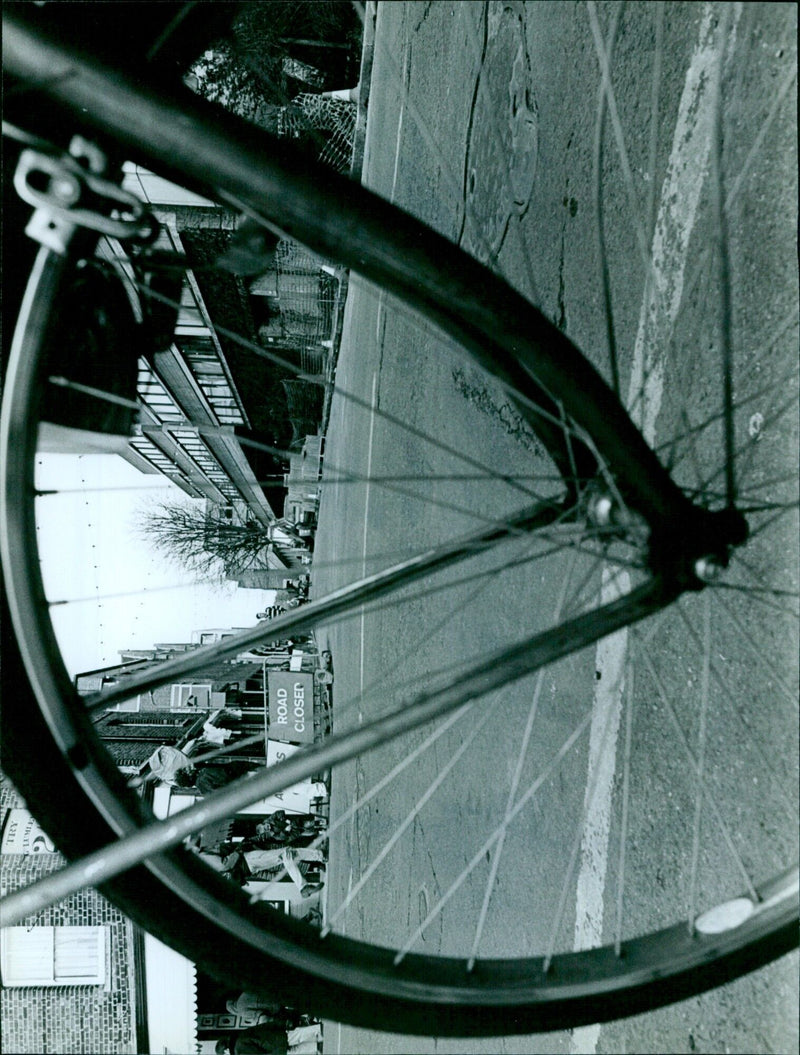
x: 269, y: 1010
x: 258, y: 1040
x: 167, y: 763
x: 275, y: 861
x: 266, y: 1040
x: 177, y: 769
x: 210, y: 776
x: 296, y: 829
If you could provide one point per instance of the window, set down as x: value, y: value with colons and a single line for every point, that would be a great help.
x: 53, y: 955
x: 145, y: 721
x: 190, y: 697
x: 133, y: 705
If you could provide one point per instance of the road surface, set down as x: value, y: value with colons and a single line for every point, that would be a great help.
x: 452, y: 86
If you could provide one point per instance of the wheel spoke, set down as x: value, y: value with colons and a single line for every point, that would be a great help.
x: 701, y: 754
x: 626, y: 787
x: 445, y: 397
x: 786, y: 86
x: 427, y: 438
x: 633, y: 205
x: 412, y: 814
x: 690, y: 758
x: 729, y: 697
x: 512, y: 792
x: 724, y: 265
x: 599, y: 222
x: 756, y: 653
x: 486, y: 847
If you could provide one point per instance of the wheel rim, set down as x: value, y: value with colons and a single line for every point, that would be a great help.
x: 450, y: 997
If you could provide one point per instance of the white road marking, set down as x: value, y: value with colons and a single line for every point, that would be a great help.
x: 680, y: 195
x: 379, y: 324
x: 401, y: 118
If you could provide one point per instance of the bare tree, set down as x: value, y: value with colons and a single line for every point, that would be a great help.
x: 200, y: 541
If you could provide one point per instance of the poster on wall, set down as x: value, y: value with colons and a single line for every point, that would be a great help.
x: 22, y: 835
x: 277, y: 751
x: 298, y: 799
x: 291, y: 706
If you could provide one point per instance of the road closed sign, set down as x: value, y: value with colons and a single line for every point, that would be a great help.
x: 291, y: 706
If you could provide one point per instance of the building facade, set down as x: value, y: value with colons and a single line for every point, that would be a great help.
x: 69, y: 973
x: 303, y: 481
x: 192, y: 415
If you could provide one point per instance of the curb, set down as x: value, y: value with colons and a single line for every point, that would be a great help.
x: 356, y: 166
x: 365, y: 81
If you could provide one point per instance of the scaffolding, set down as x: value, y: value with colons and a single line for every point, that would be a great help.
x: 303, y: 290
x: 331, y: 121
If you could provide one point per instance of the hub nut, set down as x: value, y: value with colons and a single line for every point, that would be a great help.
x: 708, y: 568
x: 602, y: 510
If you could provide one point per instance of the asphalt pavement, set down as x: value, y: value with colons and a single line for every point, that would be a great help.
x: 452, y: 87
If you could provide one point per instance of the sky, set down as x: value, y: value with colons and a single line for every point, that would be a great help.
x: 122, y: 593
x: 90, y: 546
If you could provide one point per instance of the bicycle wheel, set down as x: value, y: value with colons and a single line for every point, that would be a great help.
x: 595, y: 493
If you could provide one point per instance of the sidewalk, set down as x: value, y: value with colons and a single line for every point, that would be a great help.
x: 365, y: 82
x: 359, y: 142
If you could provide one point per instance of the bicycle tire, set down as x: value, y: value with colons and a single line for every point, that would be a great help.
x: 455, y: 1008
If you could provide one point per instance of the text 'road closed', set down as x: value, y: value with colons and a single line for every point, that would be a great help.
x: 291, y: 706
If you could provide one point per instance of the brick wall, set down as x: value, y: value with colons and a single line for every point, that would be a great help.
x: 66, y: 1019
